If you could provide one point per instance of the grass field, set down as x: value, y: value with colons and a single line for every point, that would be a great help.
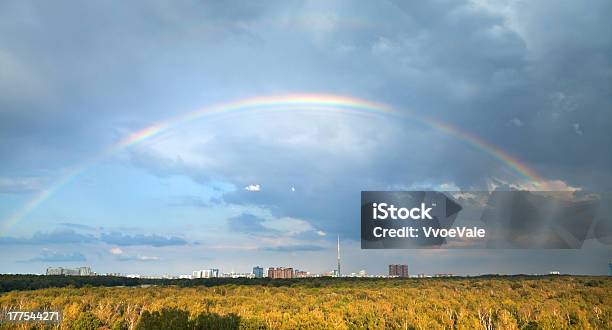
x: 552, y: 302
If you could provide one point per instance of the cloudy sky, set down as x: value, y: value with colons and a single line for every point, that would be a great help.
x: 532, y: 78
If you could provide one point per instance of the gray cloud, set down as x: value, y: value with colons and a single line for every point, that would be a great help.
x: 73, y: 237
x: 78, y: 226
x: 54, y: 237
x: 137, y: 258
x: 194, y: 201
x: 54, y: 256
x: 450, y: 60
x: 120, y: 239
x: 249, y: 224
x: 20, y: 185
x: 294, y: 248
x: 414, y: 61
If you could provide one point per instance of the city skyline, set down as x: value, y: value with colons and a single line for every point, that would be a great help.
x: 257, y: 271
x: 276, y: 272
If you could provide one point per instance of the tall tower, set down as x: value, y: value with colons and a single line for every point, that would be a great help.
x: 339, y: 274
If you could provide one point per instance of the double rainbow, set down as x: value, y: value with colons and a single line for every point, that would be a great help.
x: 301, y: 102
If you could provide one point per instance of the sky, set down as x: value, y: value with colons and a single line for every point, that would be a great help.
x: 236, y: 189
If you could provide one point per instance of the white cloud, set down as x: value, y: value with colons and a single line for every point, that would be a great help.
x: 448, y: 186
x: 289, y: 226
x: 116, y: 251
x: 148, y: 258
x: 559, y: 185
x: 253, y: 188
x: 516, y: 122
x: 444, y: 186
x: 471, y: 198
x: 383, y: 45
x: 549, y: 185
x: 125, y: 257
x: 20, y: 185
x: 577, y: 129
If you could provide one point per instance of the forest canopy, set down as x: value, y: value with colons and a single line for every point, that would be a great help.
x: 516, y: 302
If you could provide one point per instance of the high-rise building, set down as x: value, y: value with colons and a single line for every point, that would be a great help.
x: 205, y: 273
x: 84, y: 271
x: 301, y: 273
x: 54, y: 271
x: 258, y: 272
x: 398, y: 271
x: 81, y: 271
x: 70, y: 271
x: 280, y: 272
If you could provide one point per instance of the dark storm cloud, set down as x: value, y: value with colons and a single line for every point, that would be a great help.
x: 65, y: 86
x: 452, y: 60
x: 573, y: 60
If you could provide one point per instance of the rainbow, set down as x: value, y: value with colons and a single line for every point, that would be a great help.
x: 304, y: 102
